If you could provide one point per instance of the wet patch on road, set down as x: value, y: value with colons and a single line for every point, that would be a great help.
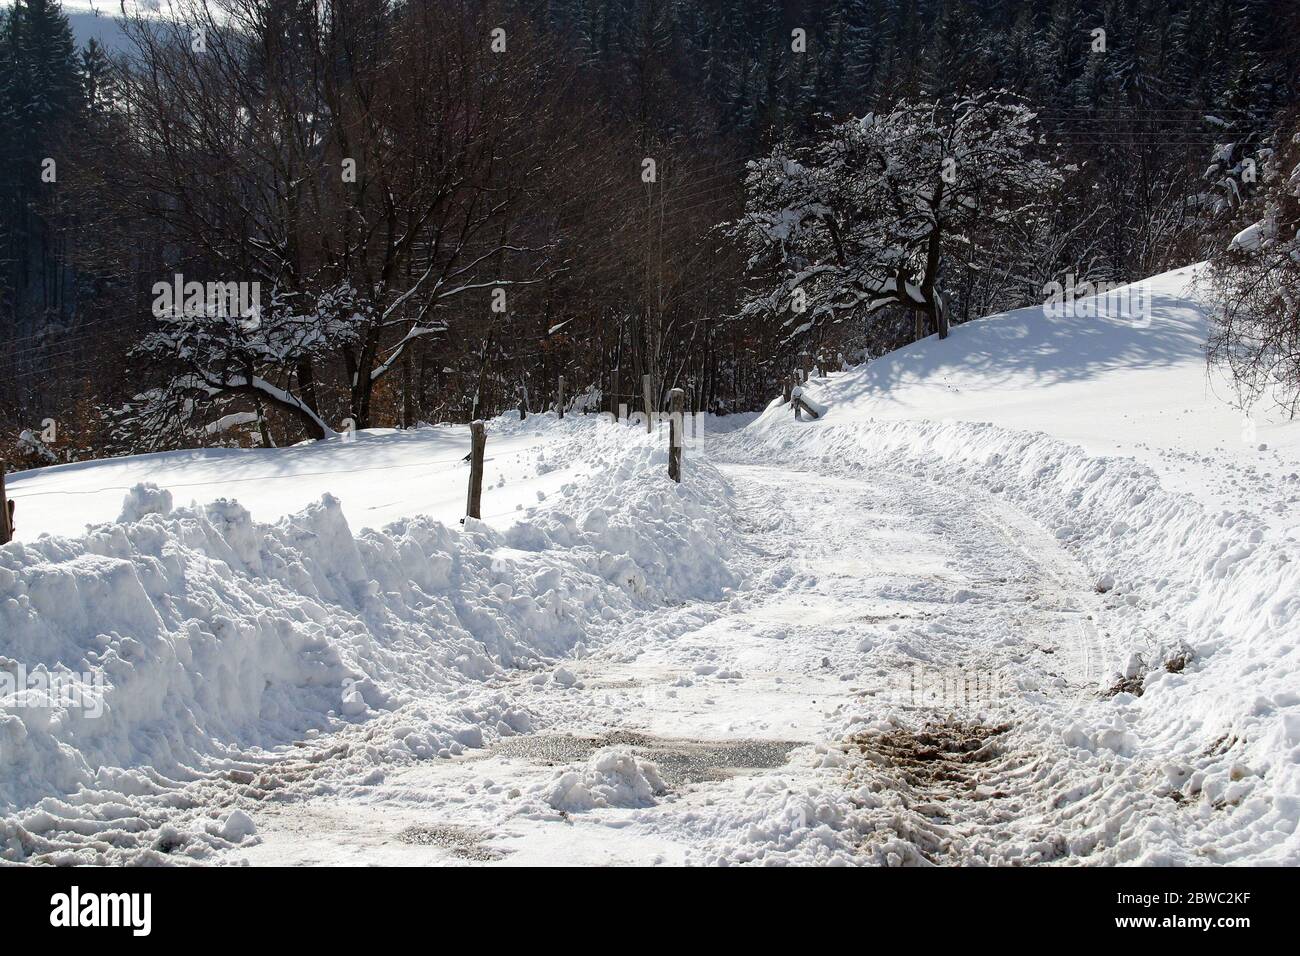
x: 941, y: 757
x: 680, y: 761
x: 460, y: 841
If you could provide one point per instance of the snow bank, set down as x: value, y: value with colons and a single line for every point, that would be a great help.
x: 178, y: 636
x: 1202, y: 607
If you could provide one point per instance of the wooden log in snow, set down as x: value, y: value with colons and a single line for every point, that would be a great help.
x: 801, y: 406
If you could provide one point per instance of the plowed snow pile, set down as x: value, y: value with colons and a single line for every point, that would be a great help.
x: 178, y: 643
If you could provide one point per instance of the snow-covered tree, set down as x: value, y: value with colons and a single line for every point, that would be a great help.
x: 1254, y: 286
x: 869, y: 216
x: 210, y: 354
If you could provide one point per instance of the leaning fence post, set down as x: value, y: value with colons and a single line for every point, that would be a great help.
x: 800, y: 406
x: 6, y: 509
x: 676, y: 405
x: 561, y: 406
x: 477, y: 442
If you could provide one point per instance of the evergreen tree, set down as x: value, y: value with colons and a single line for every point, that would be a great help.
x: 98, y: 87
x: 40, y: 93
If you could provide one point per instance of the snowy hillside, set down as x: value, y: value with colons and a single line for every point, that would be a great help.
x: 1114, y: 384
x: 1023, y: 595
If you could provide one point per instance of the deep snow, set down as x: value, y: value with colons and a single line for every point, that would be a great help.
x: 912, y: 631
x: 379, y: 476
x: 203, y: 636
x: 1119, y: 384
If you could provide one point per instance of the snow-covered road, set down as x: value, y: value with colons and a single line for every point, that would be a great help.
x: 744, y: 708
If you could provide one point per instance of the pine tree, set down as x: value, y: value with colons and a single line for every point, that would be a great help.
x: 39, y: 94
x: 98, y: 86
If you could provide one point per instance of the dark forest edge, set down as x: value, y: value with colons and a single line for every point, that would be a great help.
x: 440, y: 209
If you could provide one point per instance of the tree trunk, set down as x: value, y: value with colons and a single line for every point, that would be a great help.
x: 942, y: 314
x: 408, y: 399
x: 307, y: 385
x: 262, y: 429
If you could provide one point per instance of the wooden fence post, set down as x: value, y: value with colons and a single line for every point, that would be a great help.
x: 477, y: 443
x: 561, y: 405
x: 614, y: 396
x: 649, y: 404
x: 6, y: 509
x: 676, y: 406
x: 786, y: 385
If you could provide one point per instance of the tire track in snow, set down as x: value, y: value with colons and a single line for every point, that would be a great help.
x: 996, y: 783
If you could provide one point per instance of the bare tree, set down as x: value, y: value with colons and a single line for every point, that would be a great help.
x: 358, y: 159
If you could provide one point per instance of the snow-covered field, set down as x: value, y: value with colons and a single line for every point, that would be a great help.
x: 379, y: 476
x: 1029, y: 594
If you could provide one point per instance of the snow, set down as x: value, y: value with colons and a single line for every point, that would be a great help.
x: 1116, y: 384
x: 1250, y: 238
x: 237, y: 826
x: 613, y: 777
x: 206, y: 636
x: 420, y: 471
x: 1111, y: 435
x: 1029, y: 594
